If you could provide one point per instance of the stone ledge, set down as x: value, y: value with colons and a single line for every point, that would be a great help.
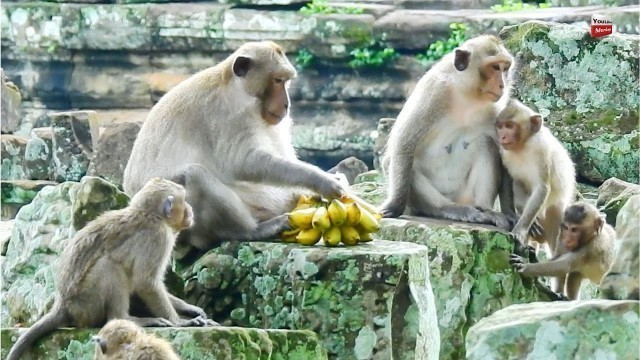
x: 189, y: 343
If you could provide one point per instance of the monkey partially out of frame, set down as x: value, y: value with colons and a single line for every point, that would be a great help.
x: 122, y: 339
x: 585, y: 250
x: 442, y: 158
x: 120, y: 254
x: 225, y: 134
x: 543, y: 174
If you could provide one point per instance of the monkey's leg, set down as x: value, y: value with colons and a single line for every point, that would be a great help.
x: 156, y: 298
x: 220, y: 213
x: 574, y: 280
x: 551, y: 224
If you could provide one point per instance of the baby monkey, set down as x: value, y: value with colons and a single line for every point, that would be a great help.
x: 123, y: 340
x: 121, y: 254
x: 542, y: 171
x: 585, y: 250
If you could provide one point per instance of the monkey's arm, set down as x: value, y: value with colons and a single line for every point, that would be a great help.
x: 261, y: 166
x: 557, y: 267
x: 531, y: 209
x: 414, y: 122
x: 507, y: 205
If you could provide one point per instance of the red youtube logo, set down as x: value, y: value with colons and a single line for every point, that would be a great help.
x: 601, y: 25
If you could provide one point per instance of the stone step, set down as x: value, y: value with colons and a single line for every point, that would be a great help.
x: 188, y: 343
x: 560, y: 330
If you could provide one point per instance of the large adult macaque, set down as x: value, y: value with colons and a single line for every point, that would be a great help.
x: 224, y: 133
x: 442, y: 158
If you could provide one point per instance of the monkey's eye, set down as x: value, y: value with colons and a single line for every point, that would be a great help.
x: 509, y: 125
x: 496, y: 67
x: 278, y: 80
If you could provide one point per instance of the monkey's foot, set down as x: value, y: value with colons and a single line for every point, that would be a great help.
x: 150, y: 321
x: 197, y: 322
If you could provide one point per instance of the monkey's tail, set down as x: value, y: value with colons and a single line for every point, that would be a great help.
x: 51, y: 321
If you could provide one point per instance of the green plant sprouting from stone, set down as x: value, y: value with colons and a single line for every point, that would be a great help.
x: 375, y: 54
x: 323, y: 7
x: 304, y: 58
x: 441, y: 48
x: 517, y: 5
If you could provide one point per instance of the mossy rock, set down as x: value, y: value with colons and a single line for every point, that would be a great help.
x: 189, y: 343
x: 587, y: 90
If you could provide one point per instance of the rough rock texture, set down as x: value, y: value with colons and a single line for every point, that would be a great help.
x: 17, y: 193
x: 613, y: 194
x: 594, y: 329
x: 623, y: 279
x: 10, y: 107
x: 112, y: 151
x: 12, y: 148
x: 372, y: 300
x: 587, y: 90
x: 40, y: 232
x: 71, y: 144
x: 39, y: 154
x: 189, y: 343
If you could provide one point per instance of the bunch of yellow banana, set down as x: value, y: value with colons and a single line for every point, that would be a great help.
x: 348, y: 220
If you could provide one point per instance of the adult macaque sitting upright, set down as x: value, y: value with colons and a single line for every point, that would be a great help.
x: 224, y: 133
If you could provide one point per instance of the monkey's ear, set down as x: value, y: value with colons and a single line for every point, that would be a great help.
x: 241, y: 66
x: 462, y: 58
x: 101, y: 343
x: 168, y: 205
x: 535, y: 123
x: 600, y: 222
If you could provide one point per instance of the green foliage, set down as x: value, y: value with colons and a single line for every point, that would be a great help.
x: 322, y: 7
x: 517, y: 5
x: 441, y: 48
x: 304, y: 58
x: 376, y: 54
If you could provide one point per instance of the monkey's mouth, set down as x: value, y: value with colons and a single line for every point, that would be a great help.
x: 496, y: 96
x: 272, y: 118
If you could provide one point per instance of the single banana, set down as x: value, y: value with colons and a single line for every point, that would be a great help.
x: 365, y: 236
x: 307, y: 201
x: 309, y: 237
x: 332, y: 236
x: 301, y: 219
x: 349, y: 235
x: 289, y: 236
x: 353, y: 214
x: 368, y: 222
x: 337, y: 212
x: 321, y: 219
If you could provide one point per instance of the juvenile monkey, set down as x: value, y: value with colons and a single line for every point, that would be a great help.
x: 120, y: 254
x: 442, y: 157
x: 585, y: 250
x: 541, y: 169
x: 122, y: 339
x: 225, y: 134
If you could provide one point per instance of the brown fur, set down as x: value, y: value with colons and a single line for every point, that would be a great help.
x: 585, y: 250
x: 441, y: 158
x: 225, y: 134
x: 120, y: 254
x: 124, y: 340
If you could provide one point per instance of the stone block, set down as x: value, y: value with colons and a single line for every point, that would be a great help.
x: 18, y: 193
x: 113, y: 150
x: 13, y: 149
x: 39, y: 154
x: 11, y: 100
x: 71, y: 144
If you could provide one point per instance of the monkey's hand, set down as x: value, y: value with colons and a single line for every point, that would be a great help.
x: 520, y: 235
x: 513, y: 220
x: 392, y: 208
x: 536, y: 230
x: 330, y: 188
x: 196, y: 322
x: 517, y: 262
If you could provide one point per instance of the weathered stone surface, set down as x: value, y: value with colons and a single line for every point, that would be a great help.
x: 594, y: 329
x: 613, y: 194
x: 242, y: 25
x: 623, y: 279
x: 188, y: 26
x: 592, y: 2
x: 571, y: 78
x: 470, y: 274
x: 17, y: 193
x: 38, y: 154
x: 335, y: 35
x: 11, y: 100
x: 113, y: 150
x: 12, y: 150
x: 372, y: 300
x: 42, y: 228
x: 189, y: 343
x: 369, y: 176
x: 70, y: 144
x: 446, y: 4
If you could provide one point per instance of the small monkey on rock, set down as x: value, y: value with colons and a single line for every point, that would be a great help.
x: 121, y: 254
x: 442, y: 158
x: 124, y: 340
x: 542, y: 172
x: 585, y: 250
x: 225, y: 134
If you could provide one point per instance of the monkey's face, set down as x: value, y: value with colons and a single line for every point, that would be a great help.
x: 571, y: 235
x: 275, y: 99
x: 495, y: 77
x: 509, y: 134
